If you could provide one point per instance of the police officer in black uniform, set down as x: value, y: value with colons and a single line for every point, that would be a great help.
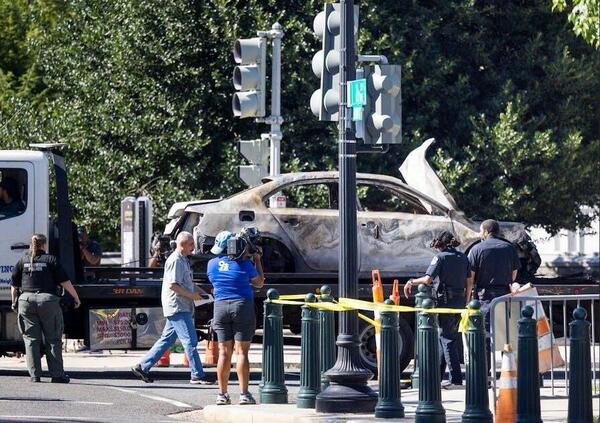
x: 449, y: 271
x: 36, y: 277
x: 494, y: 266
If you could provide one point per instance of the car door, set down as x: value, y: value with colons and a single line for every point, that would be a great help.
x: 395, y: 230
x: 309, y: 217
x: 15, y: 228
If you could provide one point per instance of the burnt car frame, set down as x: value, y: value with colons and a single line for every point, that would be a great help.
x: 297, y: 213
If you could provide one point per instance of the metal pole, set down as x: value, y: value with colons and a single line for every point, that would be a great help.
x: 348, y: 390
x: 276, y: 120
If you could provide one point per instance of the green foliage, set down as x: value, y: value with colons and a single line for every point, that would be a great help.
x: 140, y: 91
x: 584, y: 15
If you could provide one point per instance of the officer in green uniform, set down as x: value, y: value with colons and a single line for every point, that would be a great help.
x: 37, y: 276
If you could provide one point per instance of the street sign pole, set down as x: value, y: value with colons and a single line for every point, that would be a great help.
x: 275, y: 119
x: 348, y: 390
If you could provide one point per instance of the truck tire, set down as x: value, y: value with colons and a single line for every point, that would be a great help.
x: 367, y: 346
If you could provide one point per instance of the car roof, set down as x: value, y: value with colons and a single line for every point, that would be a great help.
x: 288, y: 178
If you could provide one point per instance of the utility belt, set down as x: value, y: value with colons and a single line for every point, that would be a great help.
x: 490, y: 292
x: 448, y: 296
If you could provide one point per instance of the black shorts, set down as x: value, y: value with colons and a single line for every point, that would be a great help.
x: 234, y: 319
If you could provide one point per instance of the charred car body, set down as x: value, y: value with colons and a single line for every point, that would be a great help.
x: 296, y: 215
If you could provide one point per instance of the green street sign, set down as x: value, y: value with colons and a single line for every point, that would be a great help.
x: 357, y: 93
x: 357, y: 114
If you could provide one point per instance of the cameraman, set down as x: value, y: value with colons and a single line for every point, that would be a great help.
x: 234, y: 320
x: 160, y: 250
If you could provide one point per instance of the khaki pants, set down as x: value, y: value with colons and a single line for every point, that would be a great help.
x: 41, y: 322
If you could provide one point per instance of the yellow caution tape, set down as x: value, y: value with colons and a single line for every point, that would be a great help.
x: 370, y: 321
x: 295, y: 297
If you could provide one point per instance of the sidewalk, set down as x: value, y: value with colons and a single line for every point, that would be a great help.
x: 118, y: 360
x: 553, y: 410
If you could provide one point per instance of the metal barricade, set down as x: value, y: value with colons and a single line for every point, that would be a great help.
x: 551, y: 301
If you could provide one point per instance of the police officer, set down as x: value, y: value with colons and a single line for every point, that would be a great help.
x: 494, y: 266
x: 37, y: 276
x: 448, y: 271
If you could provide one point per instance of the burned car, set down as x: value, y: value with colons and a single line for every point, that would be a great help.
x: 296, y: 215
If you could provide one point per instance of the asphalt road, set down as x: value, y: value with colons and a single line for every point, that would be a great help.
x: 108, y: 397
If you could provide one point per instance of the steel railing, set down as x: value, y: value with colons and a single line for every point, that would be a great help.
x: 551, y: 301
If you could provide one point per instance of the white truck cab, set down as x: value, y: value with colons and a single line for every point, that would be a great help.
x: 30, y: 171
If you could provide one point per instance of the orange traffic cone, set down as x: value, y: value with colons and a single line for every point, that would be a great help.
x: 506, y: 405
x: 395, y: 297
x: 165, y: 360
x: 211, y: 353
x: 377, y: 298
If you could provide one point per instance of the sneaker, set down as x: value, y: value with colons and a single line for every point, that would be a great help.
x: 137, y: 370
x: 247, y: 398
x: 36, y: 379
x: 451, y: 386
x: 223, y: 399
x: 195, y: 380
x: 62, y: 379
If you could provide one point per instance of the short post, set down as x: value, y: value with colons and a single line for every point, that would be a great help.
x: 389, y: 405
x: 477, y: 403
x: 528, y: 394
x: 273, y: 390
x: 309, y: 367
x: 424, y: 293
x: 429, y: 409
x: 326, y: 336
x: 580, y: 370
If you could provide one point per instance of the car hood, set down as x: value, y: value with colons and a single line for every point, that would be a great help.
x: 418, y: 174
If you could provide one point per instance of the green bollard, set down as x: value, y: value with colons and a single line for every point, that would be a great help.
x: 389, y: 405
x: 326, y: 336
x: 528, y: 394
x: 309, y: 366
x: 580, y: 370
x: 273, y: 390
x: 424, y: 293
x: 477, y: 403
x: 429, y: 409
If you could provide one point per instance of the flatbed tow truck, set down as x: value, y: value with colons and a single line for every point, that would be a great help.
x: 121, y: 305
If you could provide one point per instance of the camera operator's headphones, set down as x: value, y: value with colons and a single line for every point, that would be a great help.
x: 444, y: 239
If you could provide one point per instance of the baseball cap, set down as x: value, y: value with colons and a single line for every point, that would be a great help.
x: 221, y: 242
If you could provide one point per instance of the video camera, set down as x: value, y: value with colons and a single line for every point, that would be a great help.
x: 161, y: 244
x: 243, y: 244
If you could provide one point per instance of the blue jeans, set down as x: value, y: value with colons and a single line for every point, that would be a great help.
x: 180, y: 325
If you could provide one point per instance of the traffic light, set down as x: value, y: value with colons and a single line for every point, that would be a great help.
x: 325, y: 101
x: 257, y: 154
x: 383, y: 111
x: 249, y: 78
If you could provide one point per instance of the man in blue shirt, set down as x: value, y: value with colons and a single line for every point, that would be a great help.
x: 234, y: 319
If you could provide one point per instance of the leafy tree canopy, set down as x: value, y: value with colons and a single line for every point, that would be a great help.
x: 141, y: 92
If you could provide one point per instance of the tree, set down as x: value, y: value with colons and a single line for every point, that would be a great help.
x: 140, y: 90
x: 584, y: 16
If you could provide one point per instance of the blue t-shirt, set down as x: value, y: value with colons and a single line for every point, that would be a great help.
x: 230, y: 278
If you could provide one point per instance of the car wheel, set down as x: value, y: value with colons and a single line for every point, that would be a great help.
x: 276, y: 257
x: 367, y: 346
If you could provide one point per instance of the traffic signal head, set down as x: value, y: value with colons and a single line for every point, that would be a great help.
x: 383, y: 112
x: 249, y: 77
x: 325, y: 101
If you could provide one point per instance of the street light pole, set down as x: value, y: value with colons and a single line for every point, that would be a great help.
x: 276, y: 119
x: 348, y: 390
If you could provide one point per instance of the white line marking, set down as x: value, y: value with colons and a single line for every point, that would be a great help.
x: 92, y: 402
x: 51, y: 418
x: 154, y: 397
